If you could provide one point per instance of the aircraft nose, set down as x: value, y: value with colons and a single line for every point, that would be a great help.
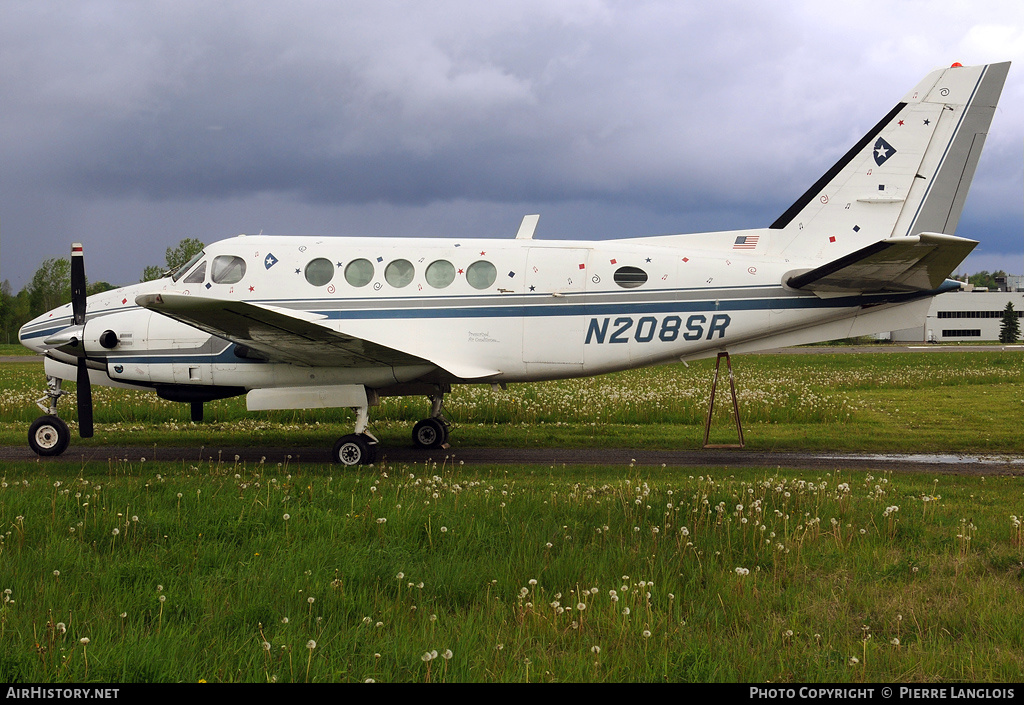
x: 33, y: 334
x: 32, y: 342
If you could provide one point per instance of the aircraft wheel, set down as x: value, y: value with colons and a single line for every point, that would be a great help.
x: 48, y: 436
x: 355, y: 449
x: 430, y: 433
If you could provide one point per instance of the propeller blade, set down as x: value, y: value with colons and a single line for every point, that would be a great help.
x: 78, y: 283
x: 78, y: 310
x: 84, y: 393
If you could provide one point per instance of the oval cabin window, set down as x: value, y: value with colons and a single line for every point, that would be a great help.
x: 320, y: 271
x: 359, y: 272
x: 399, y: 273
x: 481, y: 275
x: 440, y: 273
x: 630, y: 277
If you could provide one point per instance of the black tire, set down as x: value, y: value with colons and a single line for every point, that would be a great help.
x: 430, y: 433
x: 355, y: 449
x: 48, y: 436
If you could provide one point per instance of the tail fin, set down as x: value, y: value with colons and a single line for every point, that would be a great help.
x: 909, y: 175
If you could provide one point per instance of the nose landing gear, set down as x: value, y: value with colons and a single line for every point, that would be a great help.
x: 49, y: 435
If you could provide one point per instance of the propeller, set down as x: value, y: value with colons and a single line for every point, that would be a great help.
x: 84, y: 387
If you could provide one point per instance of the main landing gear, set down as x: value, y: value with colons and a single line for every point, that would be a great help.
x: 432, y: 432
x: 360, y: 448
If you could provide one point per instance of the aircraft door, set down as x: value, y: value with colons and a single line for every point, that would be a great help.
x: 556, y: 281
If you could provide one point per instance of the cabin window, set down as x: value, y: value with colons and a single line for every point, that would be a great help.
x: 481, y: 274
x: 197, y: 275
x: 320, y: 271
x: 440, y: 273
x: 227, y: 269
x: 399, y: 273
x: 359, y: 272
x: 630, y: 277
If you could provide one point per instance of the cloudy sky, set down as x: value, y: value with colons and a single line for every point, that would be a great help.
x: 129, y: 126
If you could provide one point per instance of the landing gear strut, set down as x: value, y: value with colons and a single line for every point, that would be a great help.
x: 359, y: 448
x: 432, y: 432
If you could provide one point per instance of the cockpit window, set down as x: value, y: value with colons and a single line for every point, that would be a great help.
x: 188, y: 265
x: 197, y: 275
x: 227, y: 269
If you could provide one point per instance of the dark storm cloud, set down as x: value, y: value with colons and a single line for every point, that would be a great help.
x: 315, y: 116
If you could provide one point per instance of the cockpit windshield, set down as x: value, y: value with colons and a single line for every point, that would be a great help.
x: 176, y: 275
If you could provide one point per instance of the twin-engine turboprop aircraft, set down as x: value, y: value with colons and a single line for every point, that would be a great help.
x: 316, y: 322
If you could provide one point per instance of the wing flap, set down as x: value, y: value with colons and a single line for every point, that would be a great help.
x: 902, y: 264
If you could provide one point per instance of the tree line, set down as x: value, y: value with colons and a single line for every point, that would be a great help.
x: 50, y: 287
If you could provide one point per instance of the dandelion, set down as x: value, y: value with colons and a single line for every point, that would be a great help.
x: 310, y: 645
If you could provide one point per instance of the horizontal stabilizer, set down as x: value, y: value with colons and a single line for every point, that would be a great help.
x: 900, y: 264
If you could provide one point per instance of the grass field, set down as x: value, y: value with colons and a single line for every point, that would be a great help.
x: 865, y: 402
x: 228, y: 571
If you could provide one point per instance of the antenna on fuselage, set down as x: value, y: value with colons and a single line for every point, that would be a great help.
x: 527, y: 227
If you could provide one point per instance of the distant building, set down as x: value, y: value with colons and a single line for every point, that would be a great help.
x: 965, y: 316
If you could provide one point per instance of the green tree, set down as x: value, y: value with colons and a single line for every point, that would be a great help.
x: 1009, y: 329
x: 986, y: 279
x: 50, y: 286
x: 176, y: 256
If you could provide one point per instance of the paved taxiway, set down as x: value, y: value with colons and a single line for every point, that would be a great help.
x: 977, y: 464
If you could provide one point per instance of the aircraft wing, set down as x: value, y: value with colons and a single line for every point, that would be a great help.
x: 280, y: 335
x: 900, y: 264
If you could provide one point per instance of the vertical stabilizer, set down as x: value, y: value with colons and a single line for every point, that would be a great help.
x: 910, y: 174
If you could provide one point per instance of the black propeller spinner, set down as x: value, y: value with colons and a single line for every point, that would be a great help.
x: 84, y: 387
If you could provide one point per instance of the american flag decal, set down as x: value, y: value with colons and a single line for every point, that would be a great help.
x: 746, y: 242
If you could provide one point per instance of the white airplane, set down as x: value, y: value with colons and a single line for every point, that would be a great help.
x: 317, y: 322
